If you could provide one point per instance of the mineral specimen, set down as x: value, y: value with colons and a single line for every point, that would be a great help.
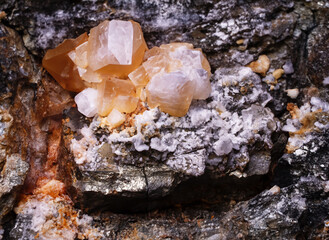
x: 169, y: 78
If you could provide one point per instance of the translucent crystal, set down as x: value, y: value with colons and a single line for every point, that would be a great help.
x: 61, y: 67
x: 181, y: 60
x: 116, y: 47
x: 115, y: 118
x: 108, y: 92
x: 171, y: 92
x: 79, y: 57
x: 87, y: 102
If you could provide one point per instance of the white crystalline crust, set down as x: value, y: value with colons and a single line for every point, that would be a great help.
x: 226, y: 126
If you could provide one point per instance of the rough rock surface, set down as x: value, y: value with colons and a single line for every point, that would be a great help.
x: 15, y: 66
x: 219, y: 169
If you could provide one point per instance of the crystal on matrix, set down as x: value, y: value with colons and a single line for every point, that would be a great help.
x: 58, y: 63
x: 115, y: 118
x: 116, y: 71
x: 171, y: 92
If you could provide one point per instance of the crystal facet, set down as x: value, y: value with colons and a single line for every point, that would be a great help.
x: 173, y: 72
x: 87, y: 102
x: 109, y: 91
x: 171, y: 92
x: 58, y: 63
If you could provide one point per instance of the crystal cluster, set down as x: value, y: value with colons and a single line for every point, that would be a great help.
x: 113, y: 70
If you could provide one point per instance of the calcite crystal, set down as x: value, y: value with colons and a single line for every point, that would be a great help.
x: 173, y: 74
x: 58, y: 63
x: 117, y: 71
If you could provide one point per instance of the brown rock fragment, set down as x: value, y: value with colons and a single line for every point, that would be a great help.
x: 260, y: 66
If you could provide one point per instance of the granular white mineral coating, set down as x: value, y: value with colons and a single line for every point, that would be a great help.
x: 87, y: 102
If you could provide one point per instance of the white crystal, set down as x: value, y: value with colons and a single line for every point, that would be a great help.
x: 223, y: 146
x: 288, y: 67
x: 87, y: 102
x: 121, y: 41
x: 292, y: 93
x: 193, y: 69
x: 319, y: 104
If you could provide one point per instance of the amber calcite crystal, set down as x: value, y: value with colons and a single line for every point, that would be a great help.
x: 173, y: 74
x: 114, y: 70
x: 61, y: 67
x: 116, y: 47
x: 116, y: 93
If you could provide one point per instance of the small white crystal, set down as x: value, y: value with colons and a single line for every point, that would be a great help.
x: 292, y: 93
x: 87, y: 102
x: 223, y: 146
x: 115, y: 118
x: 326, y: 81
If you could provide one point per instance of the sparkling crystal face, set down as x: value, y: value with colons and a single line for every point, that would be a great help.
x: 118, y: 72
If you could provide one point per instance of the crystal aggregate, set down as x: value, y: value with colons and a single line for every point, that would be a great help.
x: 113, y: 70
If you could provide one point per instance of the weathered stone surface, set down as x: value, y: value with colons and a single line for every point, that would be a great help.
x: 15, y: 67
